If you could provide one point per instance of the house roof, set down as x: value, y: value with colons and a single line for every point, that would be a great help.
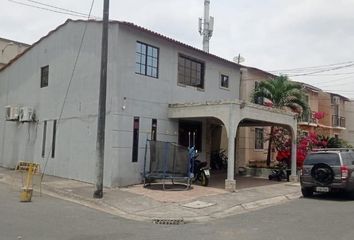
x: 127, y: 24
x: 308, y: 86
x: 260, y: 71
x: 341, y: 96
x: 16, y: 42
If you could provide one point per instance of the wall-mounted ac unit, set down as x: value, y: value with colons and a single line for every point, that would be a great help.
x: 12, y: 113
x: 335, y: 100
x: 26, y: 114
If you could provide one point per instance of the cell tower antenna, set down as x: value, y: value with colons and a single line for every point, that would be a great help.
x: 206, y: 26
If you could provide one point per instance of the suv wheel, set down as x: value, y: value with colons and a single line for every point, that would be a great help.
x: 322, y: 173
x: 307, y: 192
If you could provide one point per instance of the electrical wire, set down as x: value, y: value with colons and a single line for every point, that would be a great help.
x: 68, y: 87
x: 53, y: 9
x: 311, y: 67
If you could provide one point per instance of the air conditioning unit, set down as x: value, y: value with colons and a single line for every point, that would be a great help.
x: 26, y: 114
x: 12, y: 113
x: 335, y: 100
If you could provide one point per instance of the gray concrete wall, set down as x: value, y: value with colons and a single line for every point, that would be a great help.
x: 76, y: 134
x: 148, y: 98
x: 142, y: 96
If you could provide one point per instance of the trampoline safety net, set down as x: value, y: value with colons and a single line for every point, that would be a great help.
x: 166, y: 160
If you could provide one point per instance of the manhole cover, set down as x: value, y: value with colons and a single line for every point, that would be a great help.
x: 168, y: 221
x: 198, y: 204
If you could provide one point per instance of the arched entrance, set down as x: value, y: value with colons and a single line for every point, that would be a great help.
x: 232, y: 114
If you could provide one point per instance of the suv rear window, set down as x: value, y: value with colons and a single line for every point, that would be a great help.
x: 348, y: 158
x: 331, y: 159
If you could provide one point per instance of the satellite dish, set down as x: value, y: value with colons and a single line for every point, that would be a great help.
x: 238, y: 59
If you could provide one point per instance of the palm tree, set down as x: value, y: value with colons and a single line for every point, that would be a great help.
x: 284, y: 94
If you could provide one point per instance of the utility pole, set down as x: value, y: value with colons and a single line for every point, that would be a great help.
x: 101, y: 121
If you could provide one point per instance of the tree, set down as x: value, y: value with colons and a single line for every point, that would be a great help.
x: 283, y: 94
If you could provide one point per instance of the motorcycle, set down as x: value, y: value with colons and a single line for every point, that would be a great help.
x: 279, y: 174
x: 199, y: 170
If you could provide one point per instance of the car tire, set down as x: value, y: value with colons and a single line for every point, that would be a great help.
x: 307, y: 192
x: 351, y: 195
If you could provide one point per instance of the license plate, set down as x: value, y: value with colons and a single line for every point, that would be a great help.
x: 322, y: 189
x: 207, y: 172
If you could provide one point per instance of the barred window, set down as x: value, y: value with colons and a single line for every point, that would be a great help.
x: 44, y: 76
x: 147, y: 60
x: 224, y: 81
x: 259, y: 138
x: 190, y: 72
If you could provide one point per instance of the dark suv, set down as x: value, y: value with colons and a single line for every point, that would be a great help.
x: 328, y: 171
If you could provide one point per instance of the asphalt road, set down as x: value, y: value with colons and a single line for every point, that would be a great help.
x: 49, y: 218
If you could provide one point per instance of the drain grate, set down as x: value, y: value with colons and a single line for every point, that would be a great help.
x: 168, y: 221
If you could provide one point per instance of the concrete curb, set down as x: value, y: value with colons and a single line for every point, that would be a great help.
x: 101, y: 205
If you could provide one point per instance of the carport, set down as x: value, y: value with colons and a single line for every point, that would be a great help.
x: 237, y: 113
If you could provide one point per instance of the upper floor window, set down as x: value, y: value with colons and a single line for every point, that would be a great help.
x: 190, y: 72
x: 224, y: 81
x: 147, y: 60
x: 44, y: 76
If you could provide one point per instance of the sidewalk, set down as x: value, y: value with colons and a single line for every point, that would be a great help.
x: 199, y: 204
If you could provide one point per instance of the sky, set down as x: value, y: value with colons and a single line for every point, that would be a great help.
x: 311, y: 41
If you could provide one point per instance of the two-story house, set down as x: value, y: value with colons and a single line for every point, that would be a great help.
x: 157, y: 88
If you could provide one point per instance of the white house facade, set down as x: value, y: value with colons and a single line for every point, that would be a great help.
x: 153, y: 84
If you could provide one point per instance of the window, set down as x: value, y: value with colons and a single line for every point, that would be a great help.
x: 44, y: 76
x: 135, y: 139
x: 44, y: 138
x: 259, y: 138
x: 147, y: 60
x: 224, y: 81
x: 190, y: 72
x: 153, y: 129
x: 54, y: 136
x: 258, y: 100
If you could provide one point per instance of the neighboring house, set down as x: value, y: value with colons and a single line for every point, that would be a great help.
x: 9, y: 49
x: 326, y: 116
x: 158, y: 88
x: 252, y: 147
x: 348, y: 134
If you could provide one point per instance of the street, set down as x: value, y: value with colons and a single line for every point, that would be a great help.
x: 50, y: 218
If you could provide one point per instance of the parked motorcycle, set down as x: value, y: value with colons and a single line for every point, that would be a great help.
x: 280, y: 173
x: 199, y: 169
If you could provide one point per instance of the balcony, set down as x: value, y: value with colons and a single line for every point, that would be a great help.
x: 338, y: 121
x: 307, y: 117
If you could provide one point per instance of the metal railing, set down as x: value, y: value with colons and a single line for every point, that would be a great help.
x: 338, y: 121
x: 307, y: 117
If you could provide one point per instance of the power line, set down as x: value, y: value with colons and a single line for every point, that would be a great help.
x: 59, y: 8
x: 311, y: 67
x: 53, y: 9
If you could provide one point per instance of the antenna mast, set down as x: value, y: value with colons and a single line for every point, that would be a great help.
x: 206, y: 26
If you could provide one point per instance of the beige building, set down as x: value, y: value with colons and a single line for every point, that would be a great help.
x: 9, y: 49
x: 348, y: 134
x: 252, y: 144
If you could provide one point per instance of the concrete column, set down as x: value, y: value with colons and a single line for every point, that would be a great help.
x: 293, y: 176
x: 230, y: 182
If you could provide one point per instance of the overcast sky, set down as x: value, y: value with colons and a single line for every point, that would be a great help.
x: 269, y: 34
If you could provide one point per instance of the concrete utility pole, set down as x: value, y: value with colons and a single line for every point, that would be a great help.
x: 206, y: 26
x: 101, y: 121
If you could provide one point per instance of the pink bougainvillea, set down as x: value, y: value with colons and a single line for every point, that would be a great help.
x: 304, y: 145
x: 318, y: 115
